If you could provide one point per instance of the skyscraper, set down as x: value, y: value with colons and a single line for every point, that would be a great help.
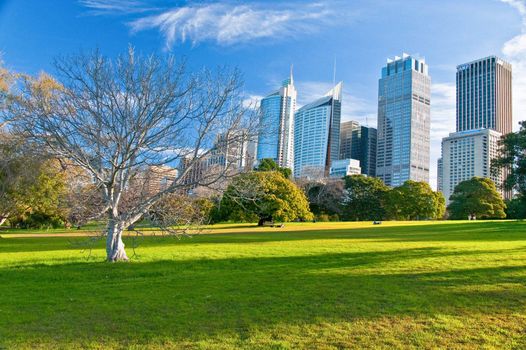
x: 359, y: 142
x: 404, y: 93
x: 484, y: 114
x: 276, y: 138
x: 484, y: 95
x: 317, y: 135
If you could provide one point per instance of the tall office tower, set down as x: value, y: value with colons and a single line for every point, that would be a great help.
x: 484, y: 95
x: 466, y: 154
x: 317, y: 135
x: 359, y: 142
x: 349, y: 140
x: 276, y: 137
x: 404, y: 94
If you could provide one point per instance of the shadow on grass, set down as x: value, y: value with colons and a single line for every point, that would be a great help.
x: 195, y: 299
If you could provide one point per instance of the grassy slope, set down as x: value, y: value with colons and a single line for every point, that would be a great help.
x: 337, y: 285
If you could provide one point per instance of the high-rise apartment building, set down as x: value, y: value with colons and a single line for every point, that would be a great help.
x: 466, y: 154
x: 484, y: 95
x: 404, y: 93
x: 276, y: 137
x: 359, y: 142
x: 317, y: 135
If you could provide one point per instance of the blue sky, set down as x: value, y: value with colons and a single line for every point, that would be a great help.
x: 263, y: 38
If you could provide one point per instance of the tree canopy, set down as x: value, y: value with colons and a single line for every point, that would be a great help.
x: 267, y: 196
x: 476, y: 197
x: 414, y: 200
x: 364, y: 198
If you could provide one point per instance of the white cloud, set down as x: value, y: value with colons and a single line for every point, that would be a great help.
x: 514, y: 51
x: 102, y: 7
x: 228, y: 23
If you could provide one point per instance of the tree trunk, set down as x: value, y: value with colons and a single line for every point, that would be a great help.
x: 2, y: 220
x: 114, y: 244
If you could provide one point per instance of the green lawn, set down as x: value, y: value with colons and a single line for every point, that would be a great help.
x: 316, y: 286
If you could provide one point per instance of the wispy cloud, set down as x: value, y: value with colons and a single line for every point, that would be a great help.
x: 223, y: 22
x: 514, y: 51
x: 104, y: 7
x: 227, y: 23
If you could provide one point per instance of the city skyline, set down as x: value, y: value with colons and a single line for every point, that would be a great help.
x: 353, y: 34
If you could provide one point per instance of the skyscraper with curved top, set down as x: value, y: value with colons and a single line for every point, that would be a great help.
x: 403, y: 143
x: 317, y: 135
x: 276, y: 136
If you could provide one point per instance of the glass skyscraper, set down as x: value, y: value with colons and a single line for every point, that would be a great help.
x: 404, y: 94
x: 484, y: 95
x: 317, y: 135
x: 276, y: 136
x: 359, y: 142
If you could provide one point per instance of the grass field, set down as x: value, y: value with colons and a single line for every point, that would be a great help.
x: 316, y: 286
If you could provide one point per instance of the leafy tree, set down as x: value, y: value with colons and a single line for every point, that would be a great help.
x: 414, y: 201
x: 476, y: 197
x: 266, y: 195
x: 364, y: 198
x: 516, y: 208
x: 268, y: 164
x: 512, y: 157
x: 42, y: 200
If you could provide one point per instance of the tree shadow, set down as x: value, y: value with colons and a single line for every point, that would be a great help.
x: 192, y: 300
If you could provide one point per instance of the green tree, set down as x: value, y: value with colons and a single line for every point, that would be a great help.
x: 476, y: 197
x: 40, y: 204
x: 414, y: 201
x: 266, y: 195
x: 268, y: 164
x: 364, y: 198
x: 512, y: 157
x: 516, y: 208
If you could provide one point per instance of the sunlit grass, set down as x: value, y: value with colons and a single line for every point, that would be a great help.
x: 323, y: 285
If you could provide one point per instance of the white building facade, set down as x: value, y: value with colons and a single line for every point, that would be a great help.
x: 467, y: 154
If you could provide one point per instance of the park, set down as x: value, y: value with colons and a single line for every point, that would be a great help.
x: 398, y: 285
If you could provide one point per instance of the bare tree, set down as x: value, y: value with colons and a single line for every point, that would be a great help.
x: 116, y: 118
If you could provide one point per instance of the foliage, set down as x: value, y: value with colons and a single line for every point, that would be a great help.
x: 268, y: 164
x: 426, y: 285
x: 267, y: 195
x: 512, y: 158
x: 42, y: 200
x: 414, y: 201
x: 516, y: 208
x: 364, y: 198
x: 476, y: 197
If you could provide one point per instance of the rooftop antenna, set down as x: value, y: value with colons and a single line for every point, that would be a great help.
x: 291, y: 73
